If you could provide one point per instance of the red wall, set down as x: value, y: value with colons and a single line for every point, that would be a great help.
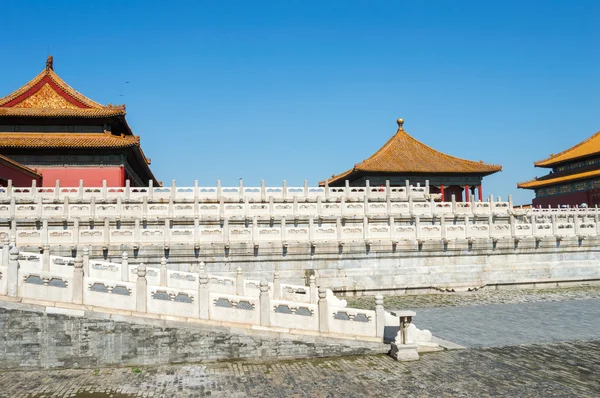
x: 91, y: 176
x: 571, y: 199
x: 19, y: 177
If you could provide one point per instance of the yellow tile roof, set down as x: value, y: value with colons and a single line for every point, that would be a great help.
x: 591, y: 146
x: 542, y: 182
x: 66, y: 140
x: 404, y: 154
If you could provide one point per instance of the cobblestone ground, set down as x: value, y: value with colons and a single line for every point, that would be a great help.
x: 550, y: 370
x: 480, y: 297
x: 568, y: 367
x: 512, y: 324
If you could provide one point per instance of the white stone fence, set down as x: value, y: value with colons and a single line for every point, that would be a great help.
x: 258, y: 232
x: 163, y: 292
x: 215, y: 193
x: 145, y: 210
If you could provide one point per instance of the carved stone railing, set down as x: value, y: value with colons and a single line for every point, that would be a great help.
x: 213, y: 194
x: 103, y: 285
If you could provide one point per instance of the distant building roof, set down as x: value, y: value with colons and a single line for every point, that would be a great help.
x: 590, y: 146
x: 404, y: 154
x: 544, y: 182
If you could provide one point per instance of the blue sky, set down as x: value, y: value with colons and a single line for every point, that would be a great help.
x: 301, y: 90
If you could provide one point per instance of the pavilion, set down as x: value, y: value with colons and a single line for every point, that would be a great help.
x: 403, y: 158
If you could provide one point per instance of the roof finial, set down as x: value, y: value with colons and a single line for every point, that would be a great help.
x: 400, y: 123
x: 50, y: 63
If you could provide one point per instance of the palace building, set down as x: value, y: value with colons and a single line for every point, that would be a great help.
x: 574, y: 178
x: 405, y: 158
x: 50, y: 132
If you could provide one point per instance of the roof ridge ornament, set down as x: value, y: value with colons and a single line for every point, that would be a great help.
x: 400, y: 123
x: 49, y: 63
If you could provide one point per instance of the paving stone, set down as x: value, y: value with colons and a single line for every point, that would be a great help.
x: 548, y: 370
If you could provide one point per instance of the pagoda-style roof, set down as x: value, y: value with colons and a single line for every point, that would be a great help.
x: 586, y: 148
x: 47, y: 95
x: 551, y: 180
x: 403, y: 154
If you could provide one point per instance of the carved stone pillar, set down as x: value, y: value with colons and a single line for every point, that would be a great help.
x: 239, y: 282
x: 78, y: 280
x: 276, y: 285
x: 380, y: 315
x: 323, y: 311
x: 13, y: 272
x: 265, y: 304
x: 314, y: 295
x: 141, y: 286
x: 203, y: 296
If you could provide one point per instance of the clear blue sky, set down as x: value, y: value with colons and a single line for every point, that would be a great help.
x: 301, y: 90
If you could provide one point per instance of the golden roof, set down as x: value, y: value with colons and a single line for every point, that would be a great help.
x: 542, y: 182
x: 404, y: 154
x: 591, y: 146
x: 47, y: 95
x: 67, y: 140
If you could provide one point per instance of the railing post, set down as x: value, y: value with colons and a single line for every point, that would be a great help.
x: 379, y: 315
x: 276, y: 285
x: 239, y: 282
x: 104, y: 191
x: 323, y: 311
x: 80, y: 190
x: 127, y: 190
x: 86, y: 260
x: 163, y: 271
x: 203, y: 294
x: 314, y: 295
x: 5, y: 251
x: 46, y: 258
x: 57, y: 190
x: 78, y: 280
x: 13, y: 272
x: 124, y: 267
x: 265, y: 304
x: 141, y: 286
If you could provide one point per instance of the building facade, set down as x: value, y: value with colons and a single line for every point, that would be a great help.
x: 574, y: 177
x: 48, y: 126
x: 405, y: 158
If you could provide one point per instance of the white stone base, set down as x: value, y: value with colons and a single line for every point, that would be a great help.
x: 404, y: 352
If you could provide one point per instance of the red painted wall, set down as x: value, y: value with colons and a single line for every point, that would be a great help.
x: 19, y: 177
x: 570, y: 199
x: 91, y: 176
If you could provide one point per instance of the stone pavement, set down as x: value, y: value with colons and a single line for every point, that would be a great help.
x: 549, y: 370
x: 480, y: 297
x: 512, y: 324
x: 567, y: 367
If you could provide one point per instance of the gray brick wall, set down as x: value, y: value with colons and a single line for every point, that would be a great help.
x: 31, y: 338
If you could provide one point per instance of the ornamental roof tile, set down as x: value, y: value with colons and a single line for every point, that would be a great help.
x: 590, y: 146
x: 543, y: 182
x: 47, y: 95
x: 404, y: 154
x: 67, y: 140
